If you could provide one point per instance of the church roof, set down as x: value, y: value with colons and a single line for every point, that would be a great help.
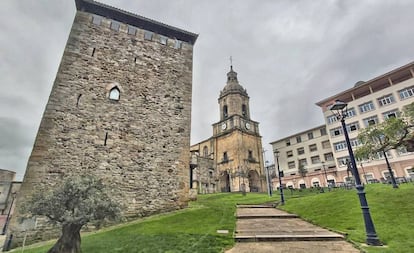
x: 233, y: 85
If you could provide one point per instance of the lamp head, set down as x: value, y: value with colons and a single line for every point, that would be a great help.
x: 339, y: 109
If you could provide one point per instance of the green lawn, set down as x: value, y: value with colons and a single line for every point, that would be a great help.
x: 194, y: 229
x: 391, y: 211
x: 190, y: 230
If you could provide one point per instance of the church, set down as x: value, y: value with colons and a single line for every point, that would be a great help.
x: 231, y: 160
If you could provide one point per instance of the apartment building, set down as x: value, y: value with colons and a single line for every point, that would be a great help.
x: 369, y: 102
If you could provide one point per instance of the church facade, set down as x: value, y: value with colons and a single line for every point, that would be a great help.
x: 231, y: 160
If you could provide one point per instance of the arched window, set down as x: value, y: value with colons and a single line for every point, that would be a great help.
x: 225, y: 113
x: 114, y: 93
x: 244, y: 110
x: 205, y: 151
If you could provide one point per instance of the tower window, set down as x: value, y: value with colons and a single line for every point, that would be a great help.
x: 178, y: 44
x: 115, y: 25
x: 244, y: 110
x: 225, y: 113
x: 163, y: 40
x: 114, y: 94
x: 132, y: 30
x: 205, y: 151
x: 96, y: 20
x: 148, y: 35
x: 225, y: 157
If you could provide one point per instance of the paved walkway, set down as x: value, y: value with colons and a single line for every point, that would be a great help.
x: 264, y: 229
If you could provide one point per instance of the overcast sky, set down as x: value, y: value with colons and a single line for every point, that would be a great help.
x: 288, y: 55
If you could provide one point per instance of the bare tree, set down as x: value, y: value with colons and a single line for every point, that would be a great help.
x: 73, y: 204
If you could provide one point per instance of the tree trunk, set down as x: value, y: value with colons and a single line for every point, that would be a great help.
x: 69, y: 241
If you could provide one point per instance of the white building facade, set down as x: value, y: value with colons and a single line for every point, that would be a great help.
x: 369, y: 102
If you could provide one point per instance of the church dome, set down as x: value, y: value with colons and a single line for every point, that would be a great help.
x: 232, y: 85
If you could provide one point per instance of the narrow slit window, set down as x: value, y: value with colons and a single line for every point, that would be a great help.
x: 78, y: 100
x: 114, y: 94
x: 178, y: 44
x: 93, y: 52
x: 106, y: 138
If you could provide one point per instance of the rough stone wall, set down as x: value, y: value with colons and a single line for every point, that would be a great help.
x: 139, y: 144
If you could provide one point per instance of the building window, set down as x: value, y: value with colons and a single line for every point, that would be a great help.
x: 287, y: 142
x: 163, y: 40
x: 301, y: 151
x: 148, y: 35
x: 354, y: 126
x: 291, y: 165
x: 310, y: 136
x: 313, y: 148
x: 370, y: 121
x: 205, y: 151
x: 369, y: 106
x: 354, y: 142
x: 410, y: 173
x: 303, y: 162
x: 225, y: 113
x: 390, y: 114
x: 326, y: 144
x: 323, y: 131
x: 298, y: 139
x: 115, y: 25
x: 402, y: 150
x: 406, y: 93
x: 331, y: 119
x: 339, y: 146
x: 328, y: 157
x: 114, y: 93
x: 351, y: 112
x: 96, y: 20
x: 132, y: 30
x: 315, y: 159
x: 386, y: 100
x: 336, y: 131
x: 289, y: 153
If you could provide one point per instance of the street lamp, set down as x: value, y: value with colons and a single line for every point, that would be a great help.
x: 340, y: 111
x: 282, y: 197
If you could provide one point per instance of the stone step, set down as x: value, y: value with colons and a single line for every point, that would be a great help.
x: 266, y: 216
x: 286, y: 237
x: 256, y: 206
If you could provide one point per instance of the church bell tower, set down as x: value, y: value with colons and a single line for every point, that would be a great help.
x: 238, y: 155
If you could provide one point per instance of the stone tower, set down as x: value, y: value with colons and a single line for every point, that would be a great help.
x: 120, y: 109
x: 232, y: 158
x: 238, y: 144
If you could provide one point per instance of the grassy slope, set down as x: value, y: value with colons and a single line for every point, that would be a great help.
x: 391, y: 211
x: 190, y: 230
x: 194, y: 229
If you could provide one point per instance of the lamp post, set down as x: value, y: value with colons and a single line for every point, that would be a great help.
x: 269, y: 190
x: 13, y: 195
x: 326, y: 176
x: 282, y: 197
x: 340, y: 110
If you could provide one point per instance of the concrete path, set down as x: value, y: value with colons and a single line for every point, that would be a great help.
x: 265, y: 229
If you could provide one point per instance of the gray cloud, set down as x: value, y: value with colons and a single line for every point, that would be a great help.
x: 288, y: 54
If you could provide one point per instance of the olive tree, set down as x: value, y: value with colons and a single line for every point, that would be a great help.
x: 380, y: 138
x: 72, y: 204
